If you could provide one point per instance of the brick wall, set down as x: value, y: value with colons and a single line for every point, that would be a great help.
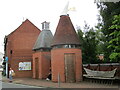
x: 58, y: 64
x: 44, y: 63
x: 19, y: 46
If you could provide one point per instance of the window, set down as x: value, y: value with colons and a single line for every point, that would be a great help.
x: 66, y: 46
x: 11, y: 51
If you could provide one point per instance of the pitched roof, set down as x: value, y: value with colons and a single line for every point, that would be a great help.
x: 44, y: 40
x: 65, y: 32
x: 27, y: 23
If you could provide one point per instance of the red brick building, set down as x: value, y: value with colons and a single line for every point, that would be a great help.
x: 18, y: 48
x: 66, y: 56
x: 29, y: 51
x: 42, y: 54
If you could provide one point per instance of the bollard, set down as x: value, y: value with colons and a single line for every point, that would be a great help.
x: 59, y: 80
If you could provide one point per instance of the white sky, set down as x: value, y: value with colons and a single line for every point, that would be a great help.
x: 14, y: 12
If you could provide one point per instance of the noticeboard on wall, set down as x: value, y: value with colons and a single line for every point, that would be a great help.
x: 24, y: 65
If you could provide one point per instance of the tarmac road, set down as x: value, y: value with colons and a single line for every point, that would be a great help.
x: 13, y: 85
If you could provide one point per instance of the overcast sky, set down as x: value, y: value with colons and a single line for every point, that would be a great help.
x: 14, y: 12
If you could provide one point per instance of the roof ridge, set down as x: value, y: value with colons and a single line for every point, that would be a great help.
x: 21, y: 25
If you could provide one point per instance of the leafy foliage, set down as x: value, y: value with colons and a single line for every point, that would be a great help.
x: 114, y: 43
x: 89, y: 44
x: 107, y: 11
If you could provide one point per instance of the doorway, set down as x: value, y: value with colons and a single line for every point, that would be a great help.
x: 36, y: 68
x: 69, y: 67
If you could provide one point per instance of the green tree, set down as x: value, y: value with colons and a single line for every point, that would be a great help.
x: 114, y: 43
x: 107, y: 11
x: 89, y: 43
x: 100, y: 41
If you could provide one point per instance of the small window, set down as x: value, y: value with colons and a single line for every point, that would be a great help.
x: 11, y: 51
x: 67, y: 46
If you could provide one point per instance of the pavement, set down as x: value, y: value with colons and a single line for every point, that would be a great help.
x: 50, y: 84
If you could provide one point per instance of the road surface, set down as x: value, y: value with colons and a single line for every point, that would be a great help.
x: 13, y: 85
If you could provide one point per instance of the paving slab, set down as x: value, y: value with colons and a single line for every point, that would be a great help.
x: 50, y: 84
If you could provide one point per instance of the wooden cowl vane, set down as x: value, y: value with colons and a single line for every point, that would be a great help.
x: 44, y: 39
x: 65, y: 32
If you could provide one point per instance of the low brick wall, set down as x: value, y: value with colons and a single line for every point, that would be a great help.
x: 103, y: 67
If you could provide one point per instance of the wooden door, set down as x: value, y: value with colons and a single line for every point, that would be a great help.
x: 36, y: 68
x: 70, y: 67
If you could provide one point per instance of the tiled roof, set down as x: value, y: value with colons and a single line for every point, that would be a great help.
x: 44, y: 40
x: 65, y: 32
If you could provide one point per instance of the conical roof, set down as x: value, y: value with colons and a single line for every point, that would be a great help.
x: 65, y: 32
x: 44, y: 40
